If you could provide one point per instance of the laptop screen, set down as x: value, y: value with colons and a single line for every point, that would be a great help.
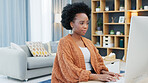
x: 137, y: 52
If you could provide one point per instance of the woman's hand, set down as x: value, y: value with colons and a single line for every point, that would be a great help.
x: 102, y: 77
x: 112, y: 74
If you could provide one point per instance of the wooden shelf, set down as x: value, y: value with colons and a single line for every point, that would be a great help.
x: 131, y: 10
x: 110, y: 35
x: 118, y: 48
x: 113, y: 11
x: 114, y: 23
x: 97, y: 35
x: 109, y: 12
x: 106, y: 18
x: 98, y: 12
x: 95, y: 0
x: 142, y: 10
x: 112, y: 48
x: 137, y: 10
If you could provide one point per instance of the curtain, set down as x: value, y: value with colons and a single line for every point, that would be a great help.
x: 41, y: 20
x: 57, y: 29
x: 14, y: 22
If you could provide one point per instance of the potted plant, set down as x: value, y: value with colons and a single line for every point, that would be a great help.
x: 99, y: 25
x: 98, y: 9
x: 141, y: 8
x: 121, y: 8
x: 111, y: 32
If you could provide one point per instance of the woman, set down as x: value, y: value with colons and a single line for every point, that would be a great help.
x: 77, y: 58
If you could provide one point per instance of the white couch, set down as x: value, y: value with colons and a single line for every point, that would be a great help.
x: 15, y: 64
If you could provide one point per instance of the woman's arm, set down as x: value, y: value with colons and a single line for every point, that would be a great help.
x: 100, y: 60
x: 102, y: 77
x: 111, y: 73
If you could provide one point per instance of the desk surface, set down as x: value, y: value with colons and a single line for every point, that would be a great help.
x: 144, y: 80
x: 118, y: 81
x: 92, y: 82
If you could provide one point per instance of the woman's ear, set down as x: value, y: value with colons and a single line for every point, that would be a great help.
x: 71, y: 24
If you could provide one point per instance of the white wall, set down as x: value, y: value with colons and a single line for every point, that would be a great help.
x: 40, y: 14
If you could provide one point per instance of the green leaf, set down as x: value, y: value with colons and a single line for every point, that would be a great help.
x: 99, y: 22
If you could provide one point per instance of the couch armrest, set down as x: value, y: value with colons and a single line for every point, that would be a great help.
x: 13, y: 63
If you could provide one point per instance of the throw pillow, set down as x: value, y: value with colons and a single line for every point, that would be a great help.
x: 37, y: 49
x: 17, y: 47
x: 52, y: 47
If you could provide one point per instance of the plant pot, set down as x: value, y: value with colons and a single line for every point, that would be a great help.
x: 111, y: 32
x: 98, y: 28
x: 121, y: 9
x: 98, y: 9
x: 99, y: 32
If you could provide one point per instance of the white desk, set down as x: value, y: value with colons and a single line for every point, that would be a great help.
x: 92, y: 82
x: 144, y: 80
x: 118, y: 81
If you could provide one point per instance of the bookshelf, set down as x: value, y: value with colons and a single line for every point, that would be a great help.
x: 130, y: 8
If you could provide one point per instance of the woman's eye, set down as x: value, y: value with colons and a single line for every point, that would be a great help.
x: 81, y: 23
x: 88, y: 23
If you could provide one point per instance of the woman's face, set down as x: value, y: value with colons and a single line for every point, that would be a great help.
x: 80, y: 24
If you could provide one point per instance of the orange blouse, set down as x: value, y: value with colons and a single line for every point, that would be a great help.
x: 69, y: 64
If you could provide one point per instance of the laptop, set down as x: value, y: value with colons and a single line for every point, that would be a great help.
x: 137, y: 53
x: 136, y: 70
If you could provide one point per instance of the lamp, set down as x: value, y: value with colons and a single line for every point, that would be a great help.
x: 57, y: 19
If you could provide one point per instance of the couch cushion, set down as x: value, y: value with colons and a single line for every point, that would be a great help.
x: 46, y: 46
x: 26, y: 49
x: 37, y: 49
x: 17, y: 47
x: 38, y: 62
x: 52, y: 46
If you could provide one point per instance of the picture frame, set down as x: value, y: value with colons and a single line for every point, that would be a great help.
x: 121, y: 19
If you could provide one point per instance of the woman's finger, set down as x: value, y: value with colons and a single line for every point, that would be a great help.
x: 119, y: 75
x: 112, y: 79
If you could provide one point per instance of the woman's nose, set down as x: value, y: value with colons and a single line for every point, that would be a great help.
x: 85, y: 26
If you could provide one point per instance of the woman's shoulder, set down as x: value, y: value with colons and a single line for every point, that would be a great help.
x: 65, y: 40
x: 87, y: 40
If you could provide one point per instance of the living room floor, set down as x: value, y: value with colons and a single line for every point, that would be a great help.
x: 4, y: 79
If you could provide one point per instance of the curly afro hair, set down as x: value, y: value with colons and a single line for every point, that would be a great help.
x: 69, y: 12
